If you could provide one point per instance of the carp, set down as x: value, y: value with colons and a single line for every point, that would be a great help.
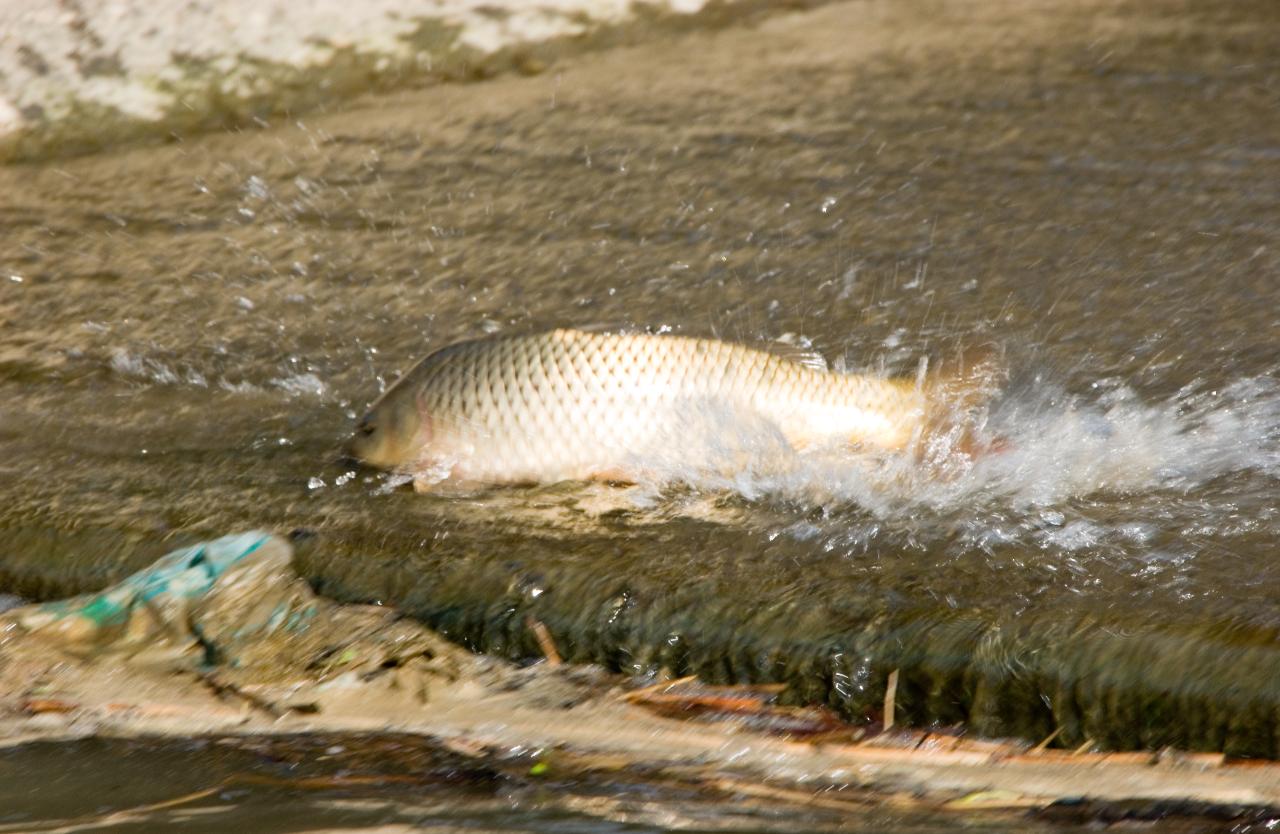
x: 577, y: 405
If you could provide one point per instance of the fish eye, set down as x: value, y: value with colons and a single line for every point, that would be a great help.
x: 366, y: 428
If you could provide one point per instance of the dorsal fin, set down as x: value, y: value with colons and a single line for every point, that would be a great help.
x: 788, y: 346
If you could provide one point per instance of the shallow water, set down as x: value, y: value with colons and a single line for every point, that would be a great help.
x: 384, y: 783
x: 190, y: 332
x: 394, y: 783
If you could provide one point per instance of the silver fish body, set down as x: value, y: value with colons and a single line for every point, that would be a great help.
x: 569, y: 404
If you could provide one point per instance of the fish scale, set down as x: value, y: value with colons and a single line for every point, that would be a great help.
x: 569, y: 404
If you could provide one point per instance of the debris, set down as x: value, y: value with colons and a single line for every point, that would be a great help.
x: 749, y: 705
x: 36, y: 706
x: 890, y: 693
x: 820, y: 799
x: 222, y: 689
x: 995, y: 800
x: 127, y: 815
x: 545, y: 642
x: 233, y: 604
x: 155, y: 613
x: 1043, y: 745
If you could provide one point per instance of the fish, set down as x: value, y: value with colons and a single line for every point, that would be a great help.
x: 579, y: 405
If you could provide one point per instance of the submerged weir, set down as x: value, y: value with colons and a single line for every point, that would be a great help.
x: 190, y: 332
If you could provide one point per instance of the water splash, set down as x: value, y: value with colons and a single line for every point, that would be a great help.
x: 294, y: 385
x: 1048, y: 447
x: 132, y: 365
x: 1107, y: 472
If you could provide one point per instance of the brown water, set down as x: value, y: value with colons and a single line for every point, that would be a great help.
x: 189, y: 332
x: 387, y: 783
x: 397, y: 783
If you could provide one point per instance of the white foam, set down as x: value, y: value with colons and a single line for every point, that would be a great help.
x: 297, y: 385
x: 1105, y: 474
x: 1056, y: 448
x: 153, y: 370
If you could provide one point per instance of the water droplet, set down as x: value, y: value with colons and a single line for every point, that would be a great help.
x: 257, y: 188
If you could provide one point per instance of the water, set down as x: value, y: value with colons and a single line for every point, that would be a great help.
x: 381, y: 783
x: 393, y: 783
x: 190, y: 332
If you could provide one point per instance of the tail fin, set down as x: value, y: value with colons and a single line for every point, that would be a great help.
x: 957, y: 396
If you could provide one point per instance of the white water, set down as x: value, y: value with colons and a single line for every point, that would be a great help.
x: 1109, y: 473
x: 1051, y: 447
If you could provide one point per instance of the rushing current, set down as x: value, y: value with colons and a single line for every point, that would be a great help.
x: 191, y: 331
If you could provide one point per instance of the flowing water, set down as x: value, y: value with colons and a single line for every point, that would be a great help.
x: 391, y: 783
x: 189, y: 333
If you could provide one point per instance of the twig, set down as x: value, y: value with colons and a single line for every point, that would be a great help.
x: 545, y: 642
x: 753, y: 694
x: 660, y: 686
x: 326, y: 782
x: 65, y: 826
x: 36, y: 706
x: 817, y: 799
x: 222, y: 688
x: 890, y: 693
x: 1042, y: 746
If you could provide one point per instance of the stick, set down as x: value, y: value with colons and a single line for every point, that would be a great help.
x: 819, y: 799
x: 890, y: 693
x: 545, y: 642
x: 111, y: 818
x: 222, y: 688
x: 1040, y: 748
x: 639, y: 694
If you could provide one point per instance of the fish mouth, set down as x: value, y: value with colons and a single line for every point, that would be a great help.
x: 349, y: 460
x: 355, y: 451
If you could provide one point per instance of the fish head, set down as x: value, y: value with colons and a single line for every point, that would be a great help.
x: 390, y: 434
